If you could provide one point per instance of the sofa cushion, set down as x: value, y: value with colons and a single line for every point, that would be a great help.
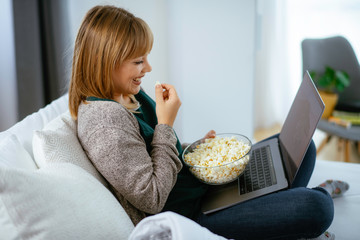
x: 58, y: 142
x: 36, y: 121
x: 347, y: 207
x: 58, y: 201
x: 13, y: 154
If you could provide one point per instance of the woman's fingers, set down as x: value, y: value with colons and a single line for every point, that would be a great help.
x: 210, y: 134
x: 159, y: 93
x: 167, y: 103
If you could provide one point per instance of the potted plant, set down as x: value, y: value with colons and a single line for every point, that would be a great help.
x: 330, y: 83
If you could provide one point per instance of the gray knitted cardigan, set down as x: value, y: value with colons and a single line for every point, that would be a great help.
x: 110, y: 136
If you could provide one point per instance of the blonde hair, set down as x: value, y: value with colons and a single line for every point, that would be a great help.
x: 107, y: 37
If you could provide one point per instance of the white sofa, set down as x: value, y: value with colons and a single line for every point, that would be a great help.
x: 49, y: 189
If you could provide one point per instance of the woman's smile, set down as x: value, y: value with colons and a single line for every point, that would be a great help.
x: 137, y: 81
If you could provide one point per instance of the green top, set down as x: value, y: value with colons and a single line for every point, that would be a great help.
x: 186, y: 195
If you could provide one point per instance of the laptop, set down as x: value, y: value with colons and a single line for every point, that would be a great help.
x: 274, y: 162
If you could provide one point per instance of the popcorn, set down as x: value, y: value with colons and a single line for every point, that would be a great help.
x: 218, y: 160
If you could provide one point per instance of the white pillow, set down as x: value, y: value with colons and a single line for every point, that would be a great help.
x: 170, y: 225
x: 59, y: 201
x: 58, y: 142
x: 13, y: 154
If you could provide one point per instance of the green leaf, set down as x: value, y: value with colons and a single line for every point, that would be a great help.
x: 340, y: 87
x: 329, y: 71
x: 343, y: 78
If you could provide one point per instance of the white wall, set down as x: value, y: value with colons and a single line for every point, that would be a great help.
x: 212, y: 64
x: 8, y: 87
x: 206, y: 49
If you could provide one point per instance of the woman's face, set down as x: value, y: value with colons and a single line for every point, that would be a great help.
x: 127, y: 77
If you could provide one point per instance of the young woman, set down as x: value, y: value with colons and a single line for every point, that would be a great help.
x: 130, y: 140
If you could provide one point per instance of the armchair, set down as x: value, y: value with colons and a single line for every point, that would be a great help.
x: 337, y: 53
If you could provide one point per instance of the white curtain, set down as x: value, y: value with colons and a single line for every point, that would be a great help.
x: 8, y: 87
x: 273, y: 86
x: 281, y: 26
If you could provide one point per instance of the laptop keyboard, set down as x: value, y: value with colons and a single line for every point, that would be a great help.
x: 259, y: 173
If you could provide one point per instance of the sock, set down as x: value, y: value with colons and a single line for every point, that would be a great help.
x: 335, y: 188
x: 325, y: 236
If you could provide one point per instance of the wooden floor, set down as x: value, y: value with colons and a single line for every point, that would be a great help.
x: 263, y: 133
x: 334, y: 150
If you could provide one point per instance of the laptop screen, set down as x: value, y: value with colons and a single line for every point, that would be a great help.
x: 300, y: 125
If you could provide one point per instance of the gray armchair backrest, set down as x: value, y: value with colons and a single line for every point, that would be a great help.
x: 337, y: 53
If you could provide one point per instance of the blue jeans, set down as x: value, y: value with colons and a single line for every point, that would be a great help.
x: 294, y: 213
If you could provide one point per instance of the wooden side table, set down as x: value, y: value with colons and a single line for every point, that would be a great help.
x: 345, y: 135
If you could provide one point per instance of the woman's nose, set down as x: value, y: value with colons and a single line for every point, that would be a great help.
x: 147, y: 67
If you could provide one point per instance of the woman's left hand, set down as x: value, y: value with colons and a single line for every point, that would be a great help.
x: 210, y: 134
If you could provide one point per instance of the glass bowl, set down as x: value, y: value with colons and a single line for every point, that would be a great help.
x: 220, y: 160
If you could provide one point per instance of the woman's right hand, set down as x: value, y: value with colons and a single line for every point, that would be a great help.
x: 167, y: 104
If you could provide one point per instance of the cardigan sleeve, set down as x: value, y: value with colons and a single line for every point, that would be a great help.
x: 114, y: 144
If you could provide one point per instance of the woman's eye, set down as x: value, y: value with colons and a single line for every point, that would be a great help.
x: 139, y: 62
